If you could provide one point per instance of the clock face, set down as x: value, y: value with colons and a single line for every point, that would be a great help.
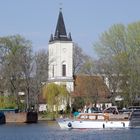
x: 64, y: 49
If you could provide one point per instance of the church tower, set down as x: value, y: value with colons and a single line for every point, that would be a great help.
x: 60, y: 49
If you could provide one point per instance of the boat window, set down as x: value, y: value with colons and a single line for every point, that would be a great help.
x: 100, y: 117
x: 92, y: 117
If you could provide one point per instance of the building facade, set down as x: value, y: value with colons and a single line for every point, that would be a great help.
x: 60, y: 50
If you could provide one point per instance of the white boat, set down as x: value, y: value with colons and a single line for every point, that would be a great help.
x: 94, y: 120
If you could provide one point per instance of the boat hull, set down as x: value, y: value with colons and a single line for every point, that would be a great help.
x: 82, y: 124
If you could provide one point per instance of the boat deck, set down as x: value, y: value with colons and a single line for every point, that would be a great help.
x: 103, y: 116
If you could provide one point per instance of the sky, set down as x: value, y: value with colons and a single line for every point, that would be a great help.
x: 85, y: 19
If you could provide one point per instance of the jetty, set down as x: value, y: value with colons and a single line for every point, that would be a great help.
x: 13, y: 116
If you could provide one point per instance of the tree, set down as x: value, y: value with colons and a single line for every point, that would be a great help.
x: 91, y: 88
x: 41, y: 61
x: 27, y: 69
x: 118, y: 52
x: 7, y: 102
x: 88, y: 66
x: 56, y: 96
x: 131, y: 88
x: 78, y: 103
x: 79, y: 59
x: 41, y: 73
x: 16, y: 64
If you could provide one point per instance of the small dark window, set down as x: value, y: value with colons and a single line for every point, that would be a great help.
x: 53, y: 71
x: 63, y: 70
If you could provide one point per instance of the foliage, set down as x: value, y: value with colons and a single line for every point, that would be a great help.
x: 88, y: 66
x: 16, y: 66
x: 78, y: 103
x: 56, y: 95
x: 68, y: 109
x: 7, y: 102
x: 119, y: 51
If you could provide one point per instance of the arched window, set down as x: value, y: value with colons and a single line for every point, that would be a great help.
x: 63, y: 69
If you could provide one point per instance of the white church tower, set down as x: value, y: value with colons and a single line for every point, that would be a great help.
x: 61, y: 56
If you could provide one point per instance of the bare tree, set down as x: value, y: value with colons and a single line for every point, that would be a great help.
x: 88, y: 67
x: 41, y: 73
x: 79, y: 58
x: 27, y: 69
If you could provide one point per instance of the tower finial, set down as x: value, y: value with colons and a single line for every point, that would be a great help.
x: 60, y: 31
x: 60, y: 4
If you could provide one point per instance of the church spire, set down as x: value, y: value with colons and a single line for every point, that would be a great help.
x: 60, y: 31
x: 60, y: 28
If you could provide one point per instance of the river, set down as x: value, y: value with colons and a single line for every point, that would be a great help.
x: 51, y: 131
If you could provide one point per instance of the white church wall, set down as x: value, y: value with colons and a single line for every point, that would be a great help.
x: 60, y: 52
x: 60, y: 49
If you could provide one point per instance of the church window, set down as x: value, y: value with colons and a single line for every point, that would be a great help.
x: 63, y: 70
x: 53, y: 71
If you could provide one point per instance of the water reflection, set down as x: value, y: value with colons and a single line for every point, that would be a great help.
x: 49, y: 130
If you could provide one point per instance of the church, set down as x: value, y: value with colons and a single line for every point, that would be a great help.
x: 60, y: 50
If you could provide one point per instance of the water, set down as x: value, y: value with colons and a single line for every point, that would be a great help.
x: 51, y: 131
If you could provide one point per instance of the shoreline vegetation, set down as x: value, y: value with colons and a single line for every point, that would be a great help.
x: 45, y: 116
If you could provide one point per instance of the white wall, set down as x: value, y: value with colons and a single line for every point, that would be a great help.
x: 61, y: 52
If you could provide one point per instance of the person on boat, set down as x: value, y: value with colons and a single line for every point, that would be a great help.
x: 61, y: 113
x: 89, y: 110
x: 114, y: 111
x: 75, y: 114
x: 85, y: 109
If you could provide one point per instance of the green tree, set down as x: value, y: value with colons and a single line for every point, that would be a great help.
x: 131, y: 87
x: 118, y: 53
x: 16, y: 65
x: 56, y: 96
x: 7, y: 102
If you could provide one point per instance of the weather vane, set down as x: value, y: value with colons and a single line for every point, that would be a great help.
x: 60, y: 4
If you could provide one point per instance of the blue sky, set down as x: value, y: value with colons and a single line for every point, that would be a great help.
x: 85, y: 19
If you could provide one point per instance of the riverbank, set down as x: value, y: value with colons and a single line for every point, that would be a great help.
x: 44, y: 118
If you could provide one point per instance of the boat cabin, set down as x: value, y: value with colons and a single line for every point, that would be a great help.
x: 93, y: 116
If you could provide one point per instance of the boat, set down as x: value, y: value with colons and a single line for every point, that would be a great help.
x: 135, y: 119
x: 95, y: 120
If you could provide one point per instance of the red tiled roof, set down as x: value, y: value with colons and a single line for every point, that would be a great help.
x: 89, y: 86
